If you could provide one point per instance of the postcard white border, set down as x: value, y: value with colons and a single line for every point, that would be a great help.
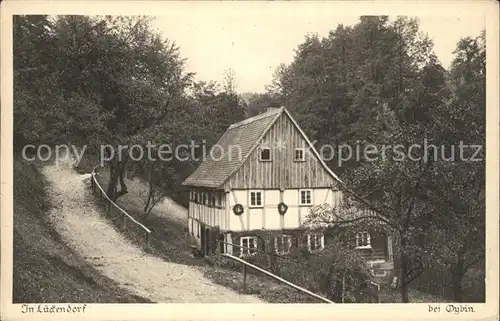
x: 412, y: 311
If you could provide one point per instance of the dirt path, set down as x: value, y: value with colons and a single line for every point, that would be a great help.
x: 82, y: 226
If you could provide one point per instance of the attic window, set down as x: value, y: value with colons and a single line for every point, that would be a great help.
x: 299, y: 155
x: 265, y: 154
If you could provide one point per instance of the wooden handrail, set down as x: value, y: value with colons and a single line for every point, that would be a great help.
x: 115, y: 205
x: 273, y: 276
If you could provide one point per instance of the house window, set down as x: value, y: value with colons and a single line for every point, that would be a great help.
x: 213, y: 200
x: 299, y: 155
x: 265, y: 154
x: 315, y: 242
x: 196, y: 197
x: 249, y: 245
x: 282, y: 244
x: 363, y: 240
x: 305, y: 196
x: 256, y: 199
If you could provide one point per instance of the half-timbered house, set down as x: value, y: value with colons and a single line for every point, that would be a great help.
x: 257, y: 186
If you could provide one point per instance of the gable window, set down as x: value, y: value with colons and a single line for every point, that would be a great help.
x: 265, y: 154
x: 256, y: 199
x: 248, y: 245
x: 363, y: 240
x: 305, y: 197
x: 299, y: 155
x: 315, y: 242
x: 282, y: 244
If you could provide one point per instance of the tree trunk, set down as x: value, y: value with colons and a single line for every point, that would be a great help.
x: 116, y: 174
x: 404, y: 270
x: 457, y: 274
x: 404, y: 292
x: 148, y: 200
x: 121, y: 172
x: 113, y: 181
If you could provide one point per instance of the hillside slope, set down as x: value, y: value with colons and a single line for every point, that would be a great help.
x: 45, y: 269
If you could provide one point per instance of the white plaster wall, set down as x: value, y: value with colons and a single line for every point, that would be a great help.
x: 269, y: 217
x: 255, y: 218
x: 272, y: 220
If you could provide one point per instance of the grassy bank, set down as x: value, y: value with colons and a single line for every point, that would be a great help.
x: 45, y: 269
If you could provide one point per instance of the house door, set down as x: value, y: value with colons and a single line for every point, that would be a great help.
x: 209, y: 236
x: 203, y: 239
x: 208, y: 242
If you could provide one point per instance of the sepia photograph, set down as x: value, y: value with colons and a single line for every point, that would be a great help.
x: 260, y: 153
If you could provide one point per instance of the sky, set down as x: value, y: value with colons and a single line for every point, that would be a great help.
x: 253, y: 43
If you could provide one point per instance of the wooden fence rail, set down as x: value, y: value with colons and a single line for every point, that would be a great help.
x: 273, y: 276
x: 125, y: 215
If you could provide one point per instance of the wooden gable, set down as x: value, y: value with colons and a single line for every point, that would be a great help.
x: 282, y: 171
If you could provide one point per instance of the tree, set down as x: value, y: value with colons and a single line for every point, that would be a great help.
x: 395, y: 93
x: 162, y: 179
x: 457, y: 192
x: 230, y: 84
x: 373, y: 85
x: 113, y: 78
x: 42, y: 113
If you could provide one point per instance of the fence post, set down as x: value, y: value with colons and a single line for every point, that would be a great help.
x: 147, y: 240
x: 244, y: 275
x: 343, y: 287
x: 124, y: 222
x: 218, y: 250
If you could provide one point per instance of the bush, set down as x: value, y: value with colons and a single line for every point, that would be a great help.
x: 337, y: 264
x: 474, y: 285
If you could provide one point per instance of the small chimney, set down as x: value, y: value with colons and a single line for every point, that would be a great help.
x: 271, y: 109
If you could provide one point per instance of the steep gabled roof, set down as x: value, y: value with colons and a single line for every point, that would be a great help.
x: 234, y: 147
